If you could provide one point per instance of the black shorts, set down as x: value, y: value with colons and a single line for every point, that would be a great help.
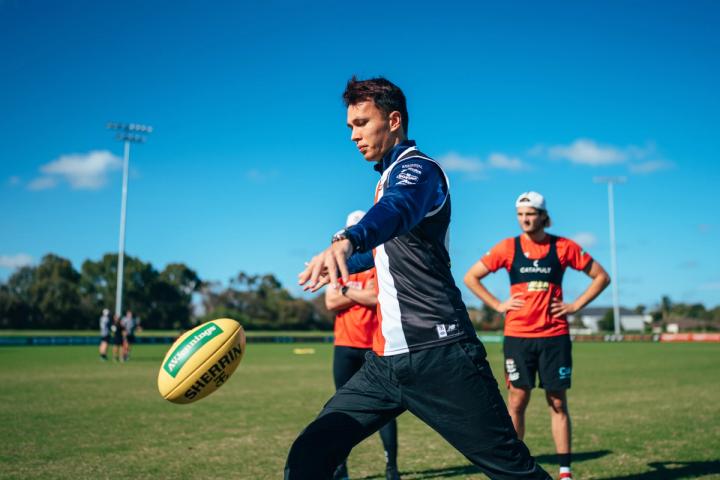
x: 106, y: 339
x: 550, y: 357
x: 131, y: 338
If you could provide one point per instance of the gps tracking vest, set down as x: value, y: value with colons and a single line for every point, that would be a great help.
x: 419, y: 305
x: 540, y: 272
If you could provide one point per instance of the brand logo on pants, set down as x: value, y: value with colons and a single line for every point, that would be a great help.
x: 511, y: 369
x: 442, y: 331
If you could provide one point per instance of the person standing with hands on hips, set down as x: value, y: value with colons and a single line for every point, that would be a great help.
x: 537, y: 336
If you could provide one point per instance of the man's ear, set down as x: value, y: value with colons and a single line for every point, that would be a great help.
x: 395, y: 121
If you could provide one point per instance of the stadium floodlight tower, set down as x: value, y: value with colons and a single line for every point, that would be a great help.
x: 613, y: 256
x: 128, y: 133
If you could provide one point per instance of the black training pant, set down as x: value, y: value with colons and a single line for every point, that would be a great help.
x: 449, y: 387
x: 346, y: 362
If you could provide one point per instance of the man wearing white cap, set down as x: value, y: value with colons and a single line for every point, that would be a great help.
x: 537, y: 337
x: 355, y: 323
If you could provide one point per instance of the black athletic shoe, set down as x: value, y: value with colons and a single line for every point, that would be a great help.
x: 391, y: 473
x: 341, y: 473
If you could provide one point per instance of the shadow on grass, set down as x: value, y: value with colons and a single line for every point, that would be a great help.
x: 671, y: 470
x: 427, y: 474
x: 577, y: 457
x: 463, y: 470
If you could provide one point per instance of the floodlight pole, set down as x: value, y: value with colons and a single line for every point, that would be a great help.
x: 126, y: 133
x: 613, y: 255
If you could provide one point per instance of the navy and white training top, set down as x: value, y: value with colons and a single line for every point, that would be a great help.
x: 419, y: 305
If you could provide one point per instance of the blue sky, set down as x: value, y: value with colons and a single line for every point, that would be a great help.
x: 250, y: 166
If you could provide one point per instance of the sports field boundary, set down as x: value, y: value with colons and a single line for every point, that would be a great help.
x: 64, y: 340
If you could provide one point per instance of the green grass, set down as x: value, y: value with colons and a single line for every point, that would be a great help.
x: 640, y: 411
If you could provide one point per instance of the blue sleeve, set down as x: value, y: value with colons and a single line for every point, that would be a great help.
x: 359, y: 262
x: 415, y: 187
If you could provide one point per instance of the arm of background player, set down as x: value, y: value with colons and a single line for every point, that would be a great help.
x: 600, y: 280
x: 336, y: 301
x: 415, y: 187
x: 473, y: 281
x: 359, y: 262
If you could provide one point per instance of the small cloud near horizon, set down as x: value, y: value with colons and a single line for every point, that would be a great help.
x: 506, y: 162
x: 586, y: 151
x: 15, y: 261
x: 585, y: 239
x: 475, y: 168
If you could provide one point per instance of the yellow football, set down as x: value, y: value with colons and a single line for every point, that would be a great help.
x: 201, y: 360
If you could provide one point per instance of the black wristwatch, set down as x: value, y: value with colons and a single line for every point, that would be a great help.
x: 343, y: 290
x: 341, y: 235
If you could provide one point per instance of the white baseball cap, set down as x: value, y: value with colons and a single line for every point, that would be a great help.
x: 354, y: 218
x: 531, y: 199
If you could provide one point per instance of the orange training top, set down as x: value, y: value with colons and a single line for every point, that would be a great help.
x: 355, y: 326
x: 536, y: 273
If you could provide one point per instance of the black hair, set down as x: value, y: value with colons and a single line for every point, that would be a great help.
x: 386, y: 95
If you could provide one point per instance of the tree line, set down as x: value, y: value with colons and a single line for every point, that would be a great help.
x: 54, y: 295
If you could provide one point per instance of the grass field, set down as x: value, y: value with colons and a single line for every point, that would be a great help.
x: 640, y: 411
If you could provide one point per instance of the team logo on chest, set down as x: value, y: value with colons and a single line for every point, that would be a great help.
x: 536, y: 268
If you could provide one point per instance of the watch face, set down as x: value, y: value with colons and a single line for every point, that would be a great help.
x: 339, y: 236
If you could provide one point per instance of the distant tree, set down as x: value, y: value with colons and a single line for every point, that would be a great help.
x: 607, y: 322
x: 16, y: 308
x: 55, y: 293
x: 161, y: 299
x: 171, y: 296
x: 665, y: 307
x: 261, y: 302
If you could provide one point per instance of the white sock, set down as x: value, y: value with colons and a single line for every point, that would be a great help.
x: 564, y: 469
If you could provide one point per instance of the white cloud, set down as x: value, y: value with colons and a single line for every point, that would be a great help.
x: 650, y: 166
x: 14, y: 180
x: 587, y: 152
x: 505, y: 162
x: 42, y: 183
x: 585, y: 239
x: 454, y: 162
x: 15, y: 261
x: 81, y: 170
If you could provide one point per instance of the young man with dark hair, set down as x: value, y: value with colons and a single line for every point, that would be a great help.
x: 537, y: 337
x: 427, y: 359
x: 356, y: 320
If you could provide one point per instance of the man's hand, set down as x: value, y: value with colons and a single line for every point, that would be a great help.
x: 560, y: 309
x: 324, y: 267
x: 515, y: 302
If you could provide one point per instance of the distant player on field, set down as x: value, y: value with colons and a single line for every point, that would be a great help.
x: 119, y: 338
x: 355, y: 324
x: 104, y: 333
x: 426, y: 356
x: 129, y: 325
x: 537, y: 337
